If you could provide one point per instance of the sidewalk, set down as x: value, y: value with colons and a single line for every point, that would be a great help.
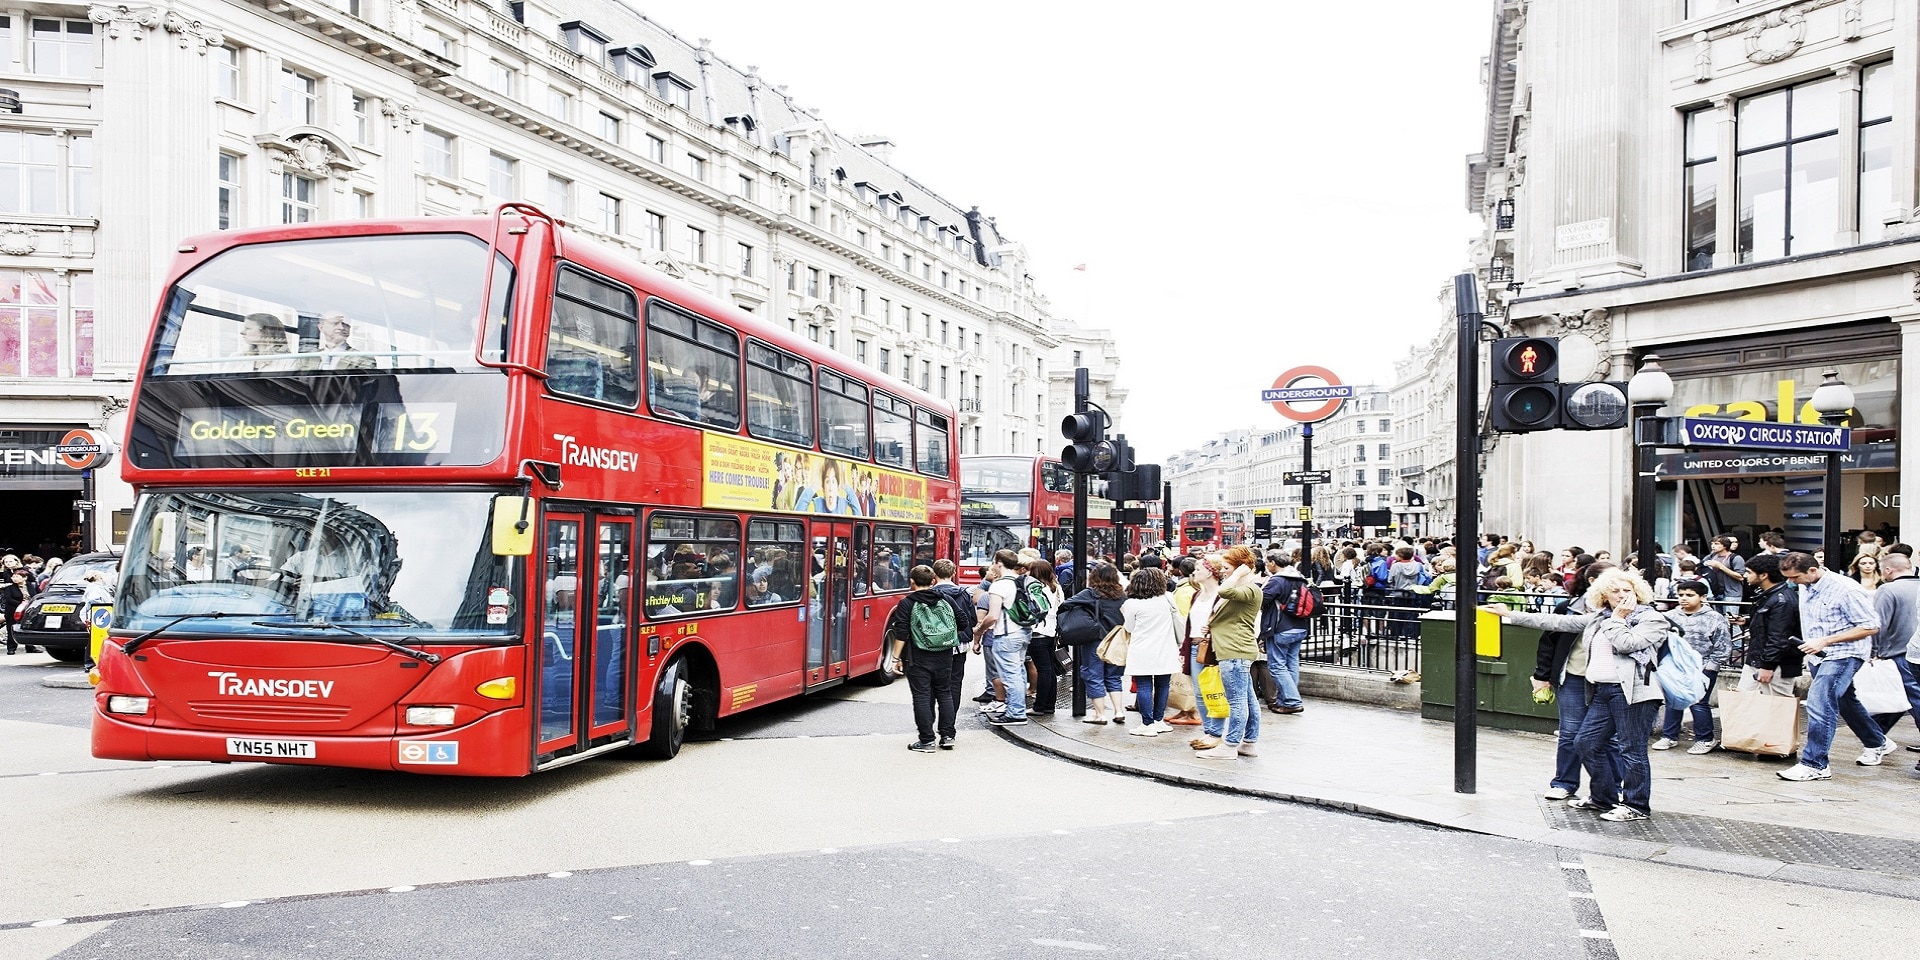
x: 1721, y: 811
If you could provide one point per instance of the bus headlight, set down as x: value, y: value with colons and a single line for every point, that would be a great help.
x: 132, y: 706
x: 500, y: 689
x: 430, y: 716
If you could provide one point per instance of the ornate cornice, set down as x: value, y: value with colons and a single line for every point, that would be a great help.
x: 309, y: 150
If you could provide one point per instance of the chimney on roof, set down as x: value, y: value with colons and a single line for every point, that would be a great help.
x: 877, y: 145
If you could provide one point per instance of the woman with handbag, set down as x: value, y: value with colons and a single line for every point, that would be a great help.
x: 1106, y: 682
x: 1619, y: 639
x: 1203, y: 591
x: 1153, y: 648
x: 1233, y: 631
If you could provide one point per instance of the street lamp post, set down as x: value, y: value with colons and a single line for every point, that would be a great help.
x: 1832, y: 400
x: 1649, y: 390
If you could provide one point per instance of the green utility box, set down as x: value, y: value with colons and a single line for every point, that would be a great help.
x: 1505, y: 677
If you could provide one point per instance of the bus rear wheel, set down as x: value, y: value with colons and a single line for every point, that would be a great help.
x: 672, y: 713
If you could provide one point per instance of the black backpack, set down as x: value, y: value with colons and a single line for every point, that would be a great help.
x: 1078, y: 623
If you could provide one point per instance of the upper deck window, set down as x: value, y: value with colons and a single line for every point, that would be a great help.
x: 892, y: 430
x: 347, y: 304
x: 933, y: 450
x: 693, y: 367
x: 843, y: 416
x: 779, y: 395
x: 593, y: 340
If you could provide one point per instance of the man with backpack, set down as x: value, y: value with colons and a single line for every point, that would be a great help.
x: 965, y: 616
x: 1288, y: 603
x: 1009, y: 639
x: 924, y: 631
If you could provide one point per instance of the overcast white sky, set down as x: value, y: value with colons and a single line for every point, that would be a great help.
x: 1253, y: 186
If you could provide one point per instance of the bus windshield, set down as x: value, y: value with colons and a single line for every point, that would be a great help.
x: 980, y: 541
x: 401, y: 560
x: 346, y: 304
x: 996, y: 475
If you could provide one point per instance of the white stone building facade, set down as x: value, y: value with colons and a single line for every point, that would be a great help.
x: 142, y: 123
x: 1731, y: 185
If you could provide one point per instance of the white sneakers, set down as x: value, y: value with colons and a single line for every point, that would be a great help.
x: 1140, y: 731
x: 1557, y: 793
x: 1801, y: 773
x: 1623, y: 814
x: 1225, y: 751
x: 1663, y: 744
x: 1874, y: 755
x: 1162, y: 727
x: 1703, y: 747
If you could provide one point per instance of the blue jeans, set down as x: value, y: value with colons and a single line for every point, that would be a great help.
x: 1010, y: 665
x: 1702, y: 715
x: 1572, y: 694
x: 1151, y: 697
x: 1910, y: 676
x: 1831, y: 700
x: 1211, y: 726
x: 1243, y: 717
x: 1613, y: 747
x: 1102, y: 677
x: 1283, y: 661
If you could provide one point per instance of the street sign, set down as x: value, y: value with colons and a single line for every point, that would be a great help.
x: 1760, y: 435
x: 1306, y: 476
x: 83, y: 449
x: 1305, y: 514
x: 83, y: 504
x: 1306, y: 384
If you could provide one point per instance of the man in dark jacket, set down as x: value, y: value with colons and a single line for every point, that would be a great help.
x: 1773, y: 629
x: 12, y: 594
x: 929, y: 672
x: 1281, y: 632
x: 965, y: 615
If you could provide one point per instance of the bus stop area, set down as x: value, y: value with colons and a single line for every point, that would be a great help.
x: 1721, y: 811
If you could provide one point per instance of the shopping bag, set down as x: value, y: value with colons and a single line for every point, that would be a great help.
x: 1758, y: 722
x: 1213, y: 692
x: 1114, y: 648
x: 1880, y: 688
x: 1180, y: 696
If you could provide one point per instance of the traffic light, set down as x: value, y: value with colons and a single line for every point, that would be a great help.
x: 1088, y: 450
x: 1601, y: 405
x: 1141, y: 484
x: 1526, y: 384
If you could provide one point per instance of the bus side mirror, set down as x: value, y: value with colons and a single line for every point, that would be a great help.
x: 512, y: 531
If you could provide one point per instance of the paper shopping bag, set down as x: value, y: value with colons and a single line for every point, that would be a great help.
x: 1759, y: 722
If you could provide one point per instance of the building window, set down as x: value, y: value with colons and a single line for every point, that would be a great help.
x: 746, y: 259
x: 860, y: 300
x: 656, y: 149
x: 299, y: 200
x: 674, y: 90
x: 62, y: 48
x: 746, y: 186
x: 813, y: 282
x: 37, y: 329
x: 362, y: 119
x: 1076, y: 359
x: 437, y: 153
x: 926, y: 375
x: 1360, y: 453
x: 433, y: 41
x: 1702, y: 174
x: 228, y: 174
x: 38, y: 177
x: 559, y: 195
x: 1788, y: 170
x: 860, y: 350
x: 1360, y: 478
x: 833, y: 288
x: 609, y: 127
x: 362, y: 205
x: 1386, y: 426
x: 560, y: 105
x: 226, y: 73
x: 500, y: 176
x: 1876, y: 150
x: 697, y: 167
x: 585, y: 40
x: 657, y: 231
x: 886, y: 360
x: 1386, y: 477
x: 696, y: 245
x: 1384, y: 451
x: 499, y: 77
x: 299, y: 98
x: 609, y: 214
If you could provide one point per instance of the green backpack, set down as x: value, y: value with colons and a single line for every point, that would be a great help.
x: 932, y: 625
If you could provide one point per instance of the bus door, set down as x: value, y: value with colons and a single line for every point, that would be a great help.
x: 583, y: 672
x: 829, y: 596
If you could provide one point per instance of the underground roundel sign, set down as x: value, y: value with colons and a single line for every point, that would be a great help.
x: 81, y: 449
x: 1307, y: 394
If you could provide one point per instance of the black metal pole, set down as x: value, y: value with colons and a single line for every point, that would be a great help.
x: 1466, y: 532
x: 86, y: 512
x: 1166, y: 516
x: 1644, y: 423
x: 1306, y: 495
x: 1082, y: 390
x: 1830, y: 510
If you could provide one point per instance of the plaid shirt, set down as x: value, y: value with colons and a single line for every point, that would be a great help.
x: 1835, y: 604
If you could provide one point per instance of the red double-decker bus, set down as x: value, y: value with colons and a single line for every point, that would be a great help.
x: 1012, y: 502
x: 1211, y: 529
x: 476, y: 496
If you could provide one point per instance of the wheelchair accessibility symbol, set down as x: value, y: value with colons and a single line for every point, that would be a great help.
x: 429, y: 752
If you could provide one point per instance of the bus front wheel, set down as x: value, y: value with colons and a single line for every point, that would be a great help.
x: 672, y: 712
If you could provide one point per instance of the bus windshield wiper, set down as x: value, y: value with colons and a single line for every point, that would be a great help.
x: 135, y: 643
x: 320, y: 624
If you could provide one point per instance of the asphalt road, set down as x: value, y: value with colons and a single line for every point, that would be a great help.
x: 807, y: 831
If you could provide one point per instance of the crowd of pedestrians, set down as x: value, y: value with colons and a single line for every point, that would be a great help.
x: 1228, y: 627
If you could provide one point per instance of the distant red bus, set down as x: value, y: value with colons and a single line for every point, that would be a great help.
x: 1211, y: 529
x: 1012, y: 502
x: 476, y: 496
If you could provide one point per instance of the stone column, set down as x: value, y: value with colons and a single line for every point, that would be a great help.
x: 156, y: 165
x: 1909, y: 326
x: 1847, y: 230
x: 1726, y: 198
x: 1906, y: 121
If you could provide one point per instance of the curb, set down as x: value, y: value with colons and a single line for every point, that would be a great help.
x: 1860, y: 881
x: 71, y: 681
